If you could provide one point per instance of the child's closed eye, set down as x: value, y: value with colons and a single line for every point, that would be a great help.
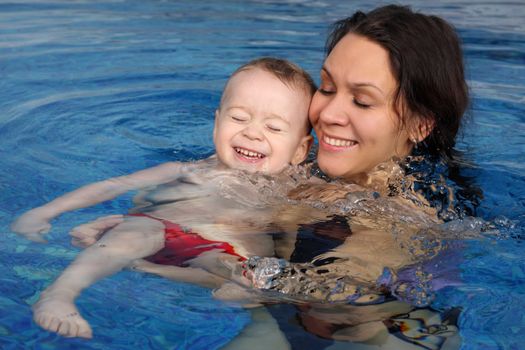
x: 239, y: 118
x: 274, y: 128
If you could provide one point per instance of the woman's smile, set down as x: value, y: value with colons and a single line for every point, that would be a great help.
x: 333, y: 144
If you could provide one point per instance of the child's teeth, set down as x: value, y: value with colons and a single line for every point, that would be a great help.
x: 248, y: 153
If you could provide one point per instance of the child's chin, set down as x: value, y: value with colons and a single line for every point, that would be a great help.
x: 252, y: 169
x: 257, y: 168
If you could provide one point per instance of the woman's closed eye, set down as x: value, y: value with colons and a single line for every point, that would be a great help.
x: 326, y: 91
x: 327, y: 86
x: 360, y: 103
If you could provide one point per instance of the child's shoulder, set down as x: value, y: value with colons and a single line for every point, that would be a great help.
x: 207, y: 164
x: 202, y: 170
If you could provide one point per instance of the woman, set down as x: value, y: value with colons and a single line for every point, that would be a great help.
x: 392, y: 80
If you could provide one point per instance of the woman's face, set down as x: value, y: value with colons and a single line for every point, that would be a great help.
x: 353, y: 111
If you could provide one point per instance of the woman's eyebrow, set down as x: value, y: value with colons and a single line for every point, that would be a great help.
x: 365, y: 85
x: 354, y: 85
x: 326, y: 71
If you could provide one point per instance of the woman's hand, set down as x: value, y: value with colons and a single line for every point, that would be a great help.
x: 33, y: 224
x: 86, y: 234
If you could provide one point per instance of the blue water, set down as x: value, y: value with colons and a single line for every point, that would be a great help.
x: 94, y: 89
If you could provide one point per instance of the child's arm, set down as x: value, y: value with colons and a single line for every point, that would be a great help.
x: 36, y: 221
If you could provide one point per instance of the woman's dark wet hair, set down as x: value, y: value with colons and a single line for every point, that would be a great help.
x: 427, y: 61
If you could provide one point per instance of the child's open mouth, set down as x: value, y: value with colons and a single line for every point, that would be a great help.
x: 248, y: 154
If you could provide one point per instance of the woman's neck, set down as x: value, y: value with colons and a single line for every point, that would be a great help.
x: 380, y: 177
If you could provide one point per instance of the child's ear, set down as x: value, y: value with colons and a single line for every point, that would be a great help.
x: 215, y: 125
x: 302, y: 150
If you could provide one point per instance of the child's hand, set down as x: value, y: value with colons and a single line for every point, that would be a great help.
x: 87, y: 234
x: 32, y: 225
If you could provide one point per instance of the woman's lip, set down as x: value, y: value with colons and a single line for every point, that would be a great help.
x: 335, y: 144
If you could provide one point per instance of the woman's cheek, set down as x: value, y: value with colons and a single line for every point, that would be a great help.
x: 315, y: 107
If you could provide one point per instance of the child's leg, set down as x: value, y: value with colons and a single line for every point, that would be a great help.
x: 135, y: 238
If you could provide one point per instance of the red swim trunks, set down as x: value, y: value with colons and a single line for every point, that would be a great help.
x: 182, y: 245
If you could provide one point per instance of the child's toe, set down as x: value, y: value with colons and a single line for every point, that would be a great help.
x: 53, y: 324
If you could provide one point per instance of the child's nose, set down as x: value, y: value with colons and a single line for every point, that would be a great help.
x: 253, y: 132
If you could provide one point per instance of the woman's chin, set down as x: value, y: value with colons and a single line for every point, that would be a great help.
x: 333, y: 169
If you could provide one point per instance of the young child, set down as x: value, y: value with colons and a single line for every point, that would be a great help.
x: 261, y: 126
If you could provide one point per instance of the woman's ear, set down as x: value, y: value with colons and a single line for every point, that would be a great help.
x: 302, y: 150
x: 422, y: 129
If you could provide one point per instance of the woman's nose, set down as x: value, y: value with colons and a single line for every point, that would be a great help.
x: 335, y: 111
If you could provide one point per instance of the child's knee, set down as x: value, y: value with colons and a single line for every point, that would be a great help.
x: 133, y: 237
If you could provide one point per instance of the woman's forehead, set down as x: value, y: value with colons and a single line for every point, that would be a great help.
x: 360, y: 61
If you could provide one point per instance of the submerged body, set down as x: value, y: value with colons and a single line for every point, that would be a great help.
x: 241, y: 215
x: 356, y: 233
x: 225, y: 201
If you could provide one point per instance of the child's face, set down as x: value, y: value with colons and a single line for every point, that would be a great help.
x: 262, y: 123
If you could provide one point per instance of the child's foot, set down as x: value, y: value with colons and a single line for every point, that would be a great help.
x: 60, y: 316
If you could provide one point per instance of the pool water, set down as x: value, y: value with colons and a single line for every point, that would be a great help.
x: 95, y: 89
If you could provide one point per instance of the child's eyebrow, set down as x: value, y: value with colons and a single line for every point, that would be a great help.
x: 238, y: 107
x: 266, y: 116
